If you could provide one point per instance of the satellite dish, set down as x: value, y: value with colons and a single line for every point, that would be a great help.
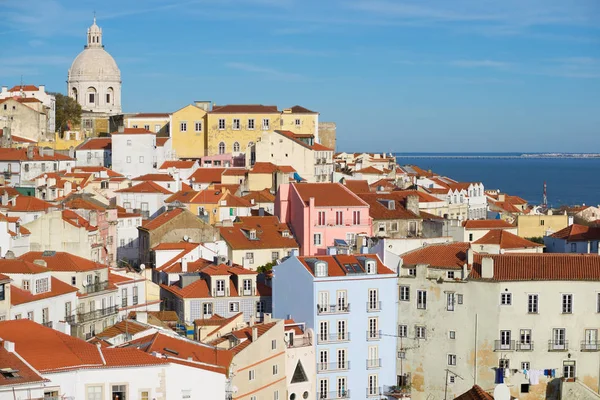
x: 186, y: 238
x: 502, y: 251
x: 84, y: 284
x: 142, y: 267
x: 502, y: 392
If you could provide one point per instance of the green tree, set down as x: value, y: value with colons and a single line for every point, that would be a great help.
x: 267, y: 267
x: 68, y: 111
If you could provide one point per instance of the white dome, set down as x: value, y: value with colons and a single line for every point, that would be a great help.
x: 94, y: 64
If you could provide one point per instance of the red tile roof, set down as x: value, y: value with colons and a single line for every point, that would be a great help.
x: 77, y: 220
x: 447, y: 255
x: 235, y: 201
x: 269, y: 234
x: 150, y: 115
x: 145, y: 187
x: 475, y: 393
x: 101, y: 143
x: 25, y: 373
x: 48, y: 350
x: 183, y: 196
x: 487, y: 224
x: 370, y: 170
x: 244, y: 109
x: 181, y: 164
x: 162, y: 219
x: 84, y: 203
x: 154, y: 177
x: 301, y: 110
x: 161, y: 141
x: 245, y: 336
x: 126, y: 326
x: 207, y: 175
x: 328, y: 195
x: 260, y: 196
x: 269, y: 168
x: 379, y: 211
x: 506, y: 240
x: 133, y: 131
x: 63, y: 262
x: 9, y: 154
x: 541, y: 267
x: 296, y: 138
x: 17, y: 266
x: 28, y: 204
x: 577, y: 233
x: 59, y: 288
x: 336, y: 264
x: 25, y: 88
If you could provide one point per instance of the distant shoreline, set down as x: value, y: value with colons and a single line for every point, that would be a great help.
x: 500, y: 155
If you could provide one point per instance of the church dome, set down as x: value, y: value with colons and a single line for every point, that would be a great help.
x: 94, y: 64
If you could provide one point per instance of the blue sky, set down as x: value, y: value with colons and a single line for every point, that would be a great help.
x: 427, y: 75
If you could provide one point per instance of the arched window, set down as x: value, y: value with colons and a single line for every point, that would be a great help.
x: 74, y: 94
x: 91, y: 95
x: 455, y: 199
x: 236, y: 147
x: 221, y: 148
x: 462, y: 199
x: 110, y: 98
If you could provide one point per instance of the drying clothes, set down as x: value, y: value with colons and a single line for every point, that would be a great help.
x: 507, y: 373
x: 553, y: 374
x: 499, y: 375
x: 534, y: 376
x: 526, y: 373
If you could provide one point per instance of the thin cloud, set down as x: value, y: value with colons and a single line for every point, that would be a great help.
x: 266, y: 72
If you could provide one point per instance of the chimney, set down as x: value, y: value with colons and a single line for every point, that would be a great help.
x: 141, y: 316
x: 254, y: 333
x: 501, y: 197
x: 184, y: 264
x: 4, y: 89
x: 252, y: 201
x: 43, y: 263
x: 331, y: 251
x: 589, y: 247
x: 5, y: 198
x: 121, y: 128
x: 30, y: 153
x: 9, y: 346
x: 177, y: 180
x: 261, y: 211
x: 487, y: 267
x: 42, y: 88
x: 267, y: 318
x: 411, y: 203
x: 470, y: 256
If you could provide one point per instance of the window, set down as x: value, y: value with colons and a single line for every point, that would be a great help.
x: 382, y: 227
x: 274, y: 255
x: 183, y: 126
x: 45, y: 315
x: 451, y: 359
x: 451, y: 379
x: 470, y: 237
x: 119, y: 392
x: 505, y: 342
x: 251, y: 375
x: 568, y: 369
x: 128, y: 143
x: 221, y: 124
x: 220, y: 287
x: 207, y: 310
x: 298, y: 122
x: 250, y: 258
x: 266, y: 124
x: 450, y: 274
x: 504, y: 363
x: 505, y: 299
x: 275, y: 369
x: 251, y: 123
x: 422, y: 299
x: 532, y: 304
x: 356, y: 217
x: 25, y: 284
x: 236, y: 124
x: 124, y: 297
x: 147, y: 127
x: 420, y: 332
x: 260, y: 308
x: 156, y: 128
x: 144, y: 395
x: 41, y: 285
x: 339, y: 218
x: 459, y: 298
x: 412, y: 272
x: 141, y: 159
x: 525, y: 365
x: 276, y: 393
x: 573, y: 247
x: 317, y: 239
x: 234, y: 306
x: 450, y: 301
x: 404, y: 293
x: 567, y: 303
x: 92, y: 98
x: 452, y: 335
x: 236, y: 147
x: 402, y: 331
x: 128, y: 159
x: 321, y: 222
x: 373, y: 388
x: 274, y: 344
x: 134, y: 126
x: 598, y: 301
x: 559, y: 339
x: 221, y: 148
x: 2, y: 292
x: 94, y: 393
x: 342, y: 330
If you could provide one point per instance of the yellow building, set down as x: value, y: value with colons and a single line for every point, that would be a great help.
x: 153, y: 122
x: 188, y: 131
x: 300, y: 120
x: 529, y: 226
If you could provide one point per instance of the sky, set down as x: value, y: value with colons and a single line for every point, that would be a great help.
x: 395, y: 75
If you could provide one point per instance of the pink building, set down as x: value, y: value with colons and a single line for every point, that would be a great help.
x: 319, y: 213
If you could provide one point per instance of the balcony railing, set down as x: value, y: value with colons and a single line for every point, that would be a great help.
x: 135, y: 300
x: 47, y: 324
x: 338, y: 394
x: 373, y: 306
x: 96, y: 314
x: 95, y: 287
x: 558, y: 345
x: 333, y: 308
x: 525, y: 346
x: 504, y: 345
x: 300, y: 342
x: 374, y: 391
x: 590, y: 345
x: 327, y: 367
x: 373, y: 335
x: 374, y: 363
x: 334, y: 337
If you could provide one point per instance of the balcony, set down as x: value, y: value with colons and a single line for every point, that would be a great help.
x: 333, y: 308
x: 504, y: 345
x: 96, y: 314
x: 558, y: 345
x: 95, y: 287
x: 373, y: 335
x: 374, y: 391
x: 525, y: 346
x: 331, y: 367
x: 398, y: 392
x: 590, y: 345
x: 375, y: 363
x: 47, y: 324
x: 300, y: 342
x: 373, y: 306
x: 338, y: 394
x: 333, y: 338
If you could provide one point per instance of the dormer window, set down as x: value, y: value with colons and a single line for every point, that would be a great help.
x: 371, y: 267
x: 252, y: 234
x: 41, y: 285
x: 320, y: 269
x: 285, y: 234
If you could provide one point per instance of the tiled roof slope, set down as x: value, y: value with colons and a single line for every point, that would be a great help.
x: 487, y: 224
x: 269, y: 234
x: 475, y: 393
x: 328, y: 195
x: 576, y: 232
x: 61, y: 261
x: 506, y: 240
x: 451, y: 255
x: 25, y: 375
x: 336, y: 264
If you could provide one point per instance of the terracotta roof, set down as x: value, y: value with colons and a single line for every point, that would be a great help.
x: 133, y: 131
x: 541, y: 267
x: 320, y: 147
x: 260, y: 196
x: 328, y: 195
x: 269, y: 234
x: 487, y: 224
x: 100, y: 143
x: 181, y: 164
x: 245, y: 336
x: 117, y: 279
x: 379, y: 211
x: 161, y: 141
x: 244, y: 109
x: 25, y: 373
x: 96, y: 170
x: 235, y: 172
x: 162, y: 219
x: 504, y: 205
x: 9, y: 154
x: 150, y: 115
x: 183, y: 196
x: 577, y: 233
x: 506, y: 240
x: 145, y: 187
x: 18, y: 266
x: 195, y: 290
x: 301, y: 110
x: 28, y: 204
x: 447, y: 255
x: 4, y: 277
x: 370, y: 170
x: 77, y: 220
x: 48, y: 350
x: 154, y: 177
x: 207, y: 175
x: 59, y: 288
x: 296, y: 138
x: 11, y: 191
x: 269, y: 168
x: 231, y: 187
x: 171, y: 267
x: 84, y: 203
x: 128, y: 326
x: 475, y: 393
x: 336, y: 265
x: 61, y: 261
x: 25, y: 88
x: 235, y: 201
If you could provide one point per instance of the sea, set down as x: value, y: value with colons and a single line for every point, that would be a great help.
x: 569, y: 180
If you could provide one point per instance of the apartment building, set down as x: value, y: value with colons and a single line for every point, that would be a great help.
x: 574, y: 239
x: 528, y: 320
x: 350, y: 303
x: 147, y: 198
x: 301, y: 371
x: 94, y: 152
x: 155, y: 122
x: 469, y: 231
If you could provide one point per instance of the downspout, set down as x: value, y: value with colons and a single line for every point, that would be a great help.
x: 475, y: 358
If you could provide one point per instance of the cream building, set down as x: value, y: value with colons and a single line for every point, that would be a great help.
x: 541, y: 225
x: 34, y: 92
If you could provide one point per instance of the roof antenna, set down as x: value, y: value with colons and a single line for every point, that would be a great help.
x: 94, y: 16
x: 545, y: 199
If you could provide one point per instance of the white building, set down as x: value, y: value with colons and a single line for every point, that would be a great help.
x: 470, y: 231
x: 146, y: 198
x: 22, y: 166
x: 134, y: 152
x: 37, y: 92
x: 574, y: 238
x: 94, y: 152
x: 132, y: 292
x: 13, y: 236
x: 127, y: 237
